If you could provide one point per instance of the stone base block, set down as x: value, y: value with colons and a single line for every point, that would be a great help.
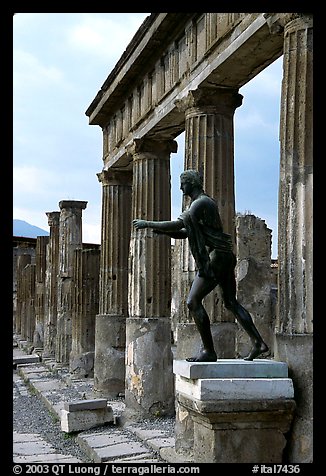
x: 236, y: 388
x: 297, y: 351
x: 231, y: 368
x: 82, y: 364
x: 85, y: 418
x: 149, y: 377
x: 239, y: 431
x: 229, y: 411
x: 109, y: 360
x: 94, y: 404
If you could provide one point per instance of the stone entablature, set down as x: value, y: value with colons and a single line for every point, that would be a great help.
x: 177, y: 53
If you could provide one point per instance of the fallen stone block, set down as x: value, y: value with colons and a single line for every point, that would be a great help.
x: 26, y: 359
x: 79, y: 420
x: 85, y: 405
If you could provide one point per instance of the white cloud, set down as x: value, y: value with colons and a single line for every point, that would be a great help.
x: 29, y: 72
x: 255, y: 120
x: 267, y: 83
x: 29, y: 179
x: 104, y: 36
x: 91, y: 232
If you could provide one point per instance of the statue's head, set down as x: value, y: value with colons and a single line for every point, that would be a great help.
x: 192, y: 177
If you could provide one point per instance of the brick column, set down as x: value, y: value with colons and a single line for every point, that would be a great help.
x: 209, y: 146
x: 70, y: 238
x: 149, y: 378
x: 110, y: 327
x: 295, y: 241
x: 51, y: 285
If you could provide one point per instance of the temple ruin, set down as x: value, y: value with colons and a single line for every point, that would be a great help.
x: 115, y: 312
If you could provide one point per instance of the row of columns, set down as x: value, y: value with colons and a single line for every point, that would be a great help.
x: 58, y: 296
x: 133, y: 329
x: 209, y: 145
x: 209, y: 139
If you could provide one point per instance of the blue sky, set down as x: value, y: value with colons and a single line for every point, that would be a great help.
x: 60, y: 61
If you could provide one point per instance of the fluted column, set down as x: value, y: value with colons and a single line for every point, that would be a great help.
x: 70, y: 238
x: 51, y: 285
x: 22, y: 261
x: 85, y: 308
x: 28, y: 317
x: 40, y: 270
x: 209, y: 148
x: 295, y: 240
x: 149, y: 378
x: 110, y: 326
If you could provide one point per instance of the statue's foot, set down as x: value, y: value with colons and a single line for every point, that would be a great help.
x: 204, y: 356
x: 257, y: 350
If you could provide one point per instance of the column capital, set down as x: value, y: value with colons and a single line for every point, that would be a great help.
x: 210, y: 100
x: 53, y: 218
x: 278, y: 22
x: 78, y: 204
x: 115, y: 177
x: 153, y: 147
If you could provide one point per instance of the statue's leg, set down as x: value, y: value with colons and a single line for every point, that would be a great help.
x: 242, y: 315
x: 199, y: 289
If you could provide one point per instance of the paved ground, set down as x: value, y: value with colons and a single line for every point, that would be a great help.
x: 45, y: 387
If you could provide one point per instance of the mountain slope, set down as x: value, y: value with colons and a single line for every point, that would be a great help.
x: 22, y: 228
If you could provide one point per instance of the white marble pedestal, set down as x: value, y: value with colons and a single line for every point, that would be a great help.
x: 233, y: 410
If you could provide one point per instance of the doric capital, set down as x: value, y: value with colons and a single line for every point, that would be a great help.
x: 115, y: 177
x: 152, y: 148
x: 53, y: 218
x: 74, y: 204
x: 277, y: 22
x: 211, y: 100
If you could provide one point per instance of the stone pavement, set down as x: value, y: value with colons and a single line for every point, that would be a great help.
x: 133, y: 442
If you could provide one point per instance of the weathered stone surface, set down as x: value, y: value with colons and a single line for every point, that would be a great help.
x: 236, y: 388
x: 51, y: 286
x: 189, y: 342
x: 149, y: 377
x: 85, y: 405
x: 235, y: 431
x: 70, y: 238
x: 27, y: 359
x: 254, y: 283
x: 85, y: 419
x: 231, y: 368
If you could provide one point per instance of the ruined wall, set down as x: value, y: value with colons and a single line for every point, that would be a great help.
x: 255, y: 281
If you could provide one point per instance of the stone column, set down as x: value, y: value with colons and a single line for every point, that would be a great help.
x: 70, y: 238
x: 28, y: 318
x: 40, y: 271
x: 110, y: 326
x: 22, y: 261
x: 149, y: 378
x: 295, y: 256
x: 209, y: 146
x: 85, y: 308
x: 51, y: 285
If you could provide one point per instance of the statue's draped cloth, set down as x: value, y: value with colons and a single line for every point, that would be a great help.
x: 205, y: 234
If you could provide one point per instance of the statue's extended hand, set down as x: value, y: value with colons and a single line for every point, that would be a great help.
x: 139, y: 224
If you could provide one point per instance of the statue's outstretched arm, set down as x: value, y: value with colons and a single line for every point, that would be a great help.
x: 160, y: 226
